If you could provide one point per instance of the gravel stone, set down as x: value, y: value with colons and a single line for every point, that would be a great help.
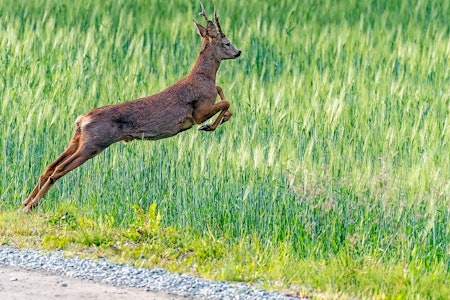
x: 155, y: 280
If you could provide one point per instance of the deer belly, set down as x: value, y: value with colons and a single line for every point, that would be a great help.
x: 157, y: 130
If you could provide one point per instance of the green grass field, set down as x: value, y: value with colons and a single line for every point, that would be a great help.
x: 333, y: 174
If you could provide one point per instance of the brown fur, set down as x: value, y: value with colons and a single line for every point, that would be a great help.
x: 191, y: 100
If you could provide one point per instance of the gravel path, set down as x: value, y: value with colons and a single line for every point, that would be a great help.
x: 118, y: 275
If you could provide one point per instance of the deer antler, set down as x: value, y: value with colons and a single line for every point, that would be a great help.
x: 203, y: 13
x: 217, y: 23
x: 210, y: 27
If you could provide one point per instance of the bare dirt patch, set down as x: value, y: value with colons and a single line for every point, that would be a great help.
x: 17, y: 283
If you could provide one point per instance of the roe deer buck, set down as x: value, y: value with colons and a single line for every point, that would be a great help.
x: 191, y: 100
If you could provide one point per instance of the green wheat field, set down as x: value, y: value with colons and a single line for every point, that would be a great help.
x: 332, y: 179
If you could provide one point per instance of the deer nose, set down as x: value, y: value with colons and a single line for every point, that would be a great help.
x: 238, y: 54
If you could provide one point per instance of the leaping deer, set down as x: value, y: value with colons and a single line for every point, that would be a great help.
x: 191, y: 100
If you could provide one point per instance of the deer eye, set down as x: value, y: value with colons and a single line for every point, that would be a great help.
x: 227, y: 44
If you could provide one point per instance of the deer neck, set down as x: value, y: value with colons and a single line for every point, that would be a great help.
x: 206, y: 64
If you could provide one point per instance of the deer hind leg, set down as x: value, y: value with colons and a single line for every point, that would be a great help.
x: 69, y: 151
x: 81, y: 155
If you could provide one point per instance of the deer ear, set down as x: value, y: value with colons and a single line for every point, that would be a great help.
x: 201, y: 30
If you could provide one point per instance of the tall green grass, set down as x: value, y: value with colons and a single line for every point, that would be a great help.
x: 338, y: 146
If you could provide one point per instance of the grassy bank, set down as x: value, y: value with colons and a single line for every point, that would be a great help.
x: 336, y: 160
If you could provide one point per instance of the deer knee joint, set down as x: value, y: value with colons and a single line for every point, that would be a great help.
x: 227, y: 116
x: 52, y: 179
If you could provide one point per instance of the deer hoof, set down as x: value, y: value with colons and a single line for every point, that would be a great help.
x: 24, y: 209
x: 206, y: 127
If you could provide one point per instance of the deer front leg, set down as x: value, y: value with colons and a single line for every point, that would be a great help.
x: 228, y: 113
x: 221, y: 106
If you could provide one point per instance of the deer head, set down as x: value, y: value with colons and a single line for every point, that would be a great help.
x: 213, y: 36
